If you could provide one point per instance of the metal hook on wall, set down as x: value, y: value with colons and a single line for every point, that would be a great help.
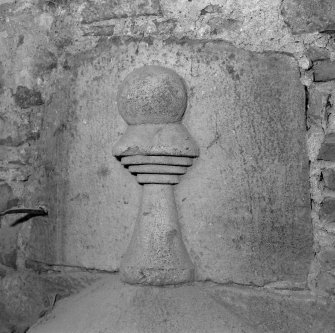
x: 30, y: 213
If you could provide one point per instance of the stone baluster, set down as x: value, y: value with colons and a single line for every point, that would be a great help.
x: 157, y: 149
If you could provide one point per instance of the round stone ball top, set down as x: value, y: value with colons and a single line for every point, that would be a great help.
x: 152, y: 95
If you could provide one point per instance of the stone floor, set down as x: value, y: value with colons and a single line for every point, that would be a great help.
x: 109, y: 305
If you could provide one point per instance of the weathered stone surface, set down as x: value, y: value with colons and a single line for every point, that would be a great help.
x: 319, y: 96
x: 327, y: 211
x: 115, y: 307
x: 278, y: 311
x: 327, y: 150
x: 8, y: 245
x: 309, y: 15
x: 157, y: 254
x: 6, y: 196
x: 1, y: 78
x: 317, y: 53
x: 26, y: 98
x: 244, y: 205
x: 326, y: 282
x: 26, y: 296
x: 14, y: 163
x: 329, y: 179
x: 324, y: 70
x: 23, y: 299
x: 157, y: 140
x: 327, y: 258
x: 105, y: 10
x: 152, y: 95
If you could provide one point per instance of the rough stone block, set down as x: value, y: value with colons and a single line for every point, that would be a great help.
x: 327, y: 259
x: 316, y: 106
x: 6, y: 196
x: 327, y: 211
x: 105, y: 10
x: 244, y: 205
x: 327, y: 150
x: 326, y: 282
x: 23, y: 299
x: 329, y: 179
x: 8, y: 246
x: 324, y: 70
x: 309, y: 15
x: 14, y: 163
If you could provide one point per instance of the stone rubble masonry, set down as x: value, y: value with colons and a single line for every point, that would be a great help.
x: 309, y: 15
x: 320, y: 119
x: 26, y: 63
x: 105, y: 10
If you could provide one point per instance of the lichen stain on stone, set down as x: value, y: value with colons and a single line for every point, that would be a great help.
x: 232, y: 72
x: 44, y: 62
x: 26, y: 98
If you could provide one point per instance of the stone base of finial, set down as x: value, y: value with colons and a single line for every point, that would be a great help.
x: 156, y: 254
x: 112, y: 306
x: 156, y: 277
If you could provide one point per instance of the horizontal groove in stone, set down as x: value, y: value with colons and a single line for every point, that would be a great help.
x: 156, y: 168
x: 164, y: 160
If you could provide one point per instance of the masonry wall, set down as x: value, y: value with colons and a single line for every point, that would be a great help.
x: 46, y: 51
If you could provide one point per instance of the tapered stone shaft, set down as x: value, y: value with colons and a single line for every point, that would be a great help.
x: 156, y: 254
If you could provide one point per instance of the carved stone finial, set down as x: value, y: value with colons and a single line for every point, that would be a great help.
x: 152, y: 95
x: 156, y: 148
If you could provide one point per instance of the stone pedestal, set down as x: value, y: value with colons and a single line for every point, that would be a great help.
x: 114, y: 307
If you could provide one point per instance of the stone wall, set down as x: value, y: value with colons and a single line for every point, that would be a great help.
x: 56, y: 65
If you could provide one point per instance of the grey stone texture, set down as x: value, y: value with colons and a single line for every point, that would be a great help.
x: 327, y: 150
x: 23, y: 301
x: 319, y: 97
x: 152, y: 95
x: 42, y: 48
x: 26, y: 296
x: 8, y: 245
x: 327, y: 211
x: 203, y: 307
x: 93, y: 11
x: 26, y: 98
x: 309, y: 15
x: 6, y: 196
x: 324, y: 70
x: 246, y: 196
x: 328, y: 176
